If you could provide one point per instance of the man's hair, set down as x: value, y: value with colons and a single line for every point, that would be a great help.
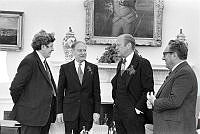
x: 179, y: 47
x: 129, y: 38
x: 42, y: 38
x: 75, y: 43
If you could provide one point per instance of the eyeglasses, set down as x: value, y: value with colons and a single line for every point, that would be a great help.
x: 165, y: 53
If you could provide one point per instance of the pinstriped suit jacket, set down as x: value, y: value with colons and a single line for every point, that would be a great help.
x: 175, y: 104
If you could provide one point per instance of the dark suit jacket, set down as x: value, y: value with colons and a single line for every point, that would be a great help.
x: 31, y: 92
x: 138, y: 83
x: 174, y: 108
x: 74, y: 98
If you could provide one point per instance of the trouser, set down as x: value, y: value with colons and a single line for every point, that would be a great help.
x: 25, y: 129
x: 128, y: 122
x: 77, y: 125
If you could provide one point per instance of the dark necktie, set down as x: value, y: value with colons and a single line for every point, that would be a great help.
x: 49, y: 76
x: 168, y: 75
x: 80, y: 73
x: 123, y: 66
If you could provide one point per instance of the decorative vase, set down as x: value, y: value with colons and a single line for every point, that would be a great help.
x: 68, y: 40
x: 181, y: 36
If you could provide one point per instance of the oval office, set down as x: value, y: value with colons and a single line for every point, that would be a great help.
x: 99, y: 67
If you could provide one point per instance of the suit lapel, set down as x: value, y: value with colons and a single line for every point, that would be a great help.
x: 163, y: 86
x: 41, y: 66
x: 87, y: 70
x: 52, y: 80
x: 74, y: 72
x: 134, y: 64
x: 84, y: 74
x: 119, y: 67
x: 170, y: 77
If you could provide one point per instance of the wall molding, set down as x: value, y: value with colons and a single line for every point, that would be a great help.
x: 6, y: 104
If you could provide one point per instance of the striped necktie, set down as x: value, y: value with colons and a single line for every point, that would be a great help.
x: 80, y: 73
x: 123, y: 66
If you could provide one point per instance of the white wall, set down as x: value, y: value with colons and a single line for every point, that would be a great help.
x: 57, y: 15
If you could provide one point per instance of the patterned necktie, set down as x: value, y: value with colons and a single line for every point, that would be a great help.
x: 49, y: 76
x: 80, y: 73
x: 123, y: 66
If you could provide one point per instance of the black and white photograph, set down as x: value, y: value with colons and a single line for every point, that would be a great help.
x: 99, y: 67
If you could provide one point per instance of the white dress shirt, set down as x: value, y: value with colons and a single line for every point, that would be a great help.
x: 41, y: 58
x: 77, y: 65
x: 128, y: 60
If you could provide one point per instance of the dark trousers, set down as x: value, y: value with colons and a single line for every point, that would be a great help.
x: 35, y: 129
x: 41, y: 129
x: 77, y: 125
x: 129, y: 122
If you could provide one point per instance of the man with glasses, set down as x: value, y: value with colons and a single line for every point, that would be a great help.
x: 33, y: 88
x: 175, y: 103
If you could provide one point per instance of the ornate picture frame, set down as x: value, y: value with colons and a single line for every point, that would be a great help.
x: 94, y: 22
x: 11, y: 30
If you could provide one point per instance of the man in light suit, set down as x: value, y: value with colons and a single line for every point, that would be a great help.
x: 134, y: 78
x: 175, y: 103
x: 33, y: 88
x: 78, y: 92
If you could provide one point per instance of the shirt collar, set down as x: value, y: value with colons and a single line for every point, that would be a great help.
x: 77, y: 64
x: 129, y: 58
x: 177, y: 65
x: 40, y: 56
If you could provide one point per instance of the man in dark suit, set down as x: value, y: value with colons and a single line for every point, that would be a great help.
x: 134, y: 78
x: 175, y: 103
x: 33, y: 88
x: 78, y: 92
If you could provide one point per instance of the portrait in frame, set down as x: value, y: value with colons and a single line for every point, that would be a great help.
x: 107, y: 19
x: 11, y: 30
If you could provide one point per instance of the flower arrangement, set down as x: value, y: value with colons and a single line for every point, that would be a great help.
x: 110, y: 55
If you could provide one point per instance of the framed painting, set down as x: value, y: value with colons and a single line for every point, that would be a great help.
x: 11, y: 30
x: 107, y: 19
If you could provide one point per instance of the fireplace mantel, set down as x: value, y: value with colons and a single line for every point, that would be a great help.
x: 106, y: 73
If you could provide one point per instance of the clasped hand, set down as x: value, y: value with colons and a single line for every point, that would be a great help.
x: 150, y: 100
